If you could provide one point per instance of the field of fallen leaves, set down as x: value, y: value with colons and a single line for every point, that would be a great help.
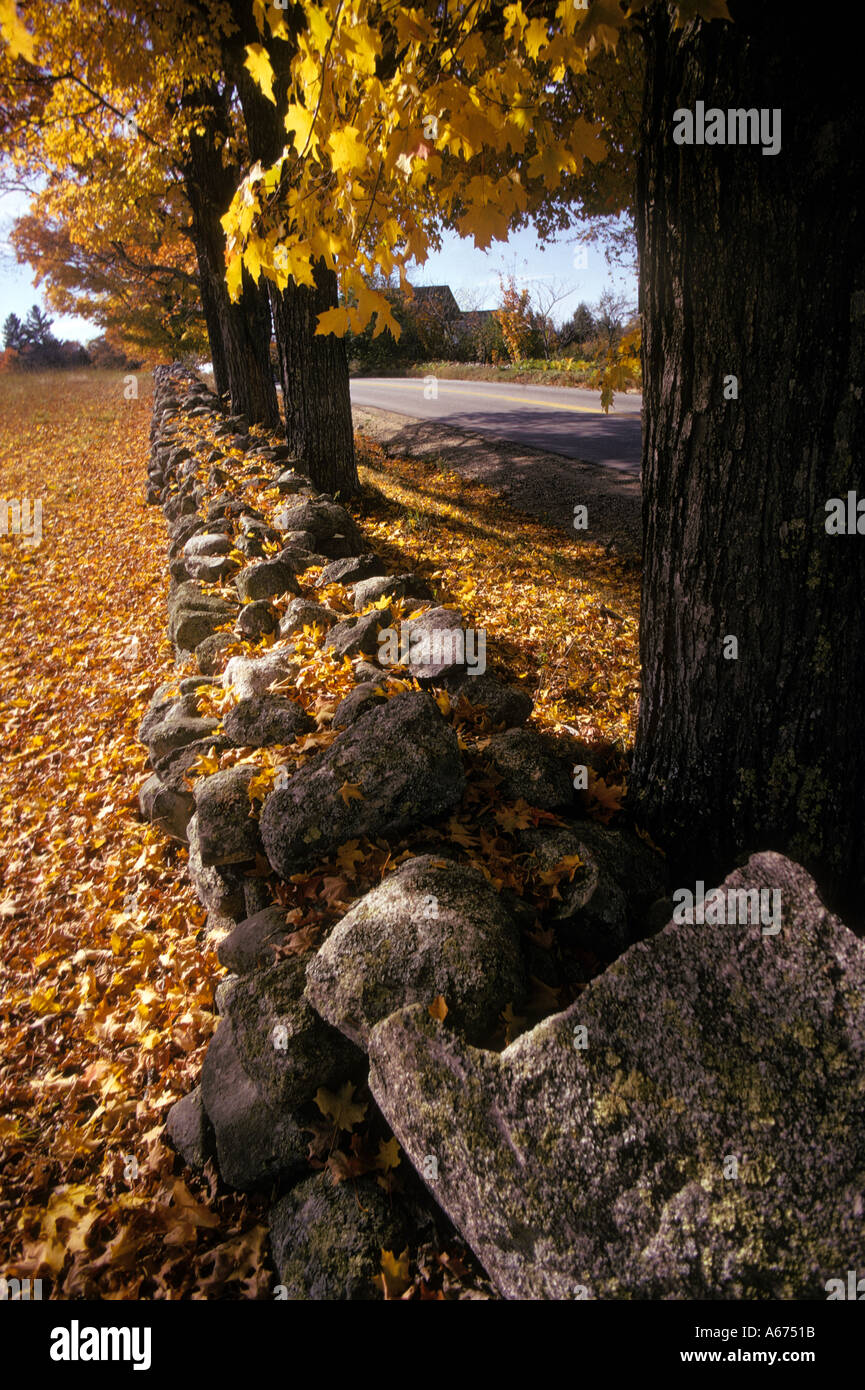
x: 106, y: 995
x: 107, y: 985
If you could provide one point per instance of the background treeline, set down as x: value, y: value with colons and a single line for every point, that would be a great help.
x: 30, y: 346
x: 520, y: 332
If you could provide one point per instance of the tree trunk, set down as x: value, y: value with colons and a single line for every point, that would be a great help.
x: 214, y: 334
x: 244, y: 326
x: 752, y: 266
x: 313, y: 370
x: 315, y: 385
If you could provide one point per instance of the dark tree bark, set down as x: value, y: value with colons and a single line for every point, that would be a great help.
x: 245, y: 326
x: 313, y: 369
x: 214, y: 334
x: 753, y: 266
x: 315, y: 384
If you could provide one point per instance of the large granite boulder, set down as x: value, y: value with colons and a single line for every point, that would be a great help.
x: 165, y: 807
x: 690, y: 1128
x: 173, y: 725
x: 350, y: 570
x: 253, y: 943
x: 397, y: 764
x: 254, y: 675
x: 227, y: 832
x: 502, y: 704
x: 353, y: 636
x: 603, y: 908
x: 194, y: 614
x: 431, y: 928
x: 302, y: 612
x: 255, y: 620
x: 220, y: 887
x: 267, y: 579
x: 189, y: 1130
x: 208, y: 543
x: 325, y: 519
x: 428, y: 645
x: 367, y: 591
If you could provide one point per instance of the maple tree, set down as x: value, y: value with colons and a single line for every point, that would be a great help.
x: 453, y: 102
x: 145, y: 296
x: 515, y: 319
x: 764, y: 751
x: 115, y: 120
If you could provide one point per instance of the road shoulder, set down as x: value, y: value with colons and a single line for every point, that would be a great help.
x: 543, y: 485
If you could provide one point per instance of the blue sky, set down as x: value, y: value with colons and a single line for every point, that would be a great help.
x: 471, y: 274
x: 469, y: 271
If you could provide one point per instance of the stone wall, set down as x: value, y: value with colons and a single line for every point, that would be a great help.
x: 683, y: 1122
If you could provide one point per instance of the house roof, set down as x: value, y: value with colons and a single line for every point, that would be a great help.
x: 441, y: 295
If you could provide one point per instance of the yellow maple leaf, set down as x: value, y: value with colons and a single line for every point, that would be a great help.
x: 351, y: 791
x: 298, y: 122
x: 604, y: 800
x: 234, y: 277
x: 394, y: 1273
x: 388, y: 1155
x: 535, y: 37
x: 258, y: 64
x: 261, y: 785
x: 19, y: 39
x: 204, y: 766
x: 516, y: 817
x: 335, y: 321
x: 347, y: 149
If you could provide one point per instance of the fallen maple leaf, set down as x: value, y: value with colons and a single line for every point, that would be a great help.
x: 388, y: 1155
x: 438, y: 1008
x: 348, y: 855
x: 351, y: 791
x: 516, y: 817
x: 604, y: 801
x: 394, y: 1277
x: 342, y: 1109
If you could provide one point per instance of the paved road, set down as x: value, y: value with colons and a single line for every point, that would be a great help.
x: 561, y: 419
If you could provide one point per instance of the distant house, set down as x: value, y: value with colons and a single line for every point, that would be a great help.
x: 445, y: 329
x: 436, y: 301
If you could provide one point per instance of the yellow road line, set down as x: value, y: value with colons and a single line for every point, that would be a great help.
x: 493, y: 396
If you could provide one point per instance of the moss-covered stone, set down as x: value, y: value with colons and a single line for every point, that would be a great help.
x: 606, y: 1166
x: 432, y: 928
x: 327, y: 1240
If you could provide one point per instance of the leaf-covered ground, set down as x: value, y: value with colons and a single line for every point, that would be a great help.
x: 107, y: 996
x: 106, y: 1002
x: 560, y: 615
